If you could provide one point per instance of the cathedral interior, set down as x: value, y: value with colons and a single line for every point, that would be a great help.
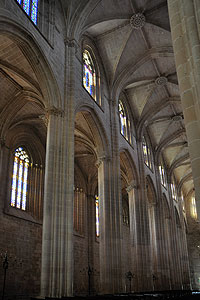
x: 99, y: 147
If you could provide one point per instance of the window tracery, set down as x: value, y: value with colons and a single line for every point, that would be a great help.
x: 19, y: 178
x: 124, y: 122
x: 174, y: 190
x: 193, y: 208
x: 31, y: 8
x: 163, y: 176
x: 89, y: 74
x: 146, y: 153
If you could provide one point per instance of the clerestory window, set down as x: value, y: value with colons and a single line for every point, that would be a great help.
x: 89, y: 74
x: 31, y: 8
x: 124, y: 122
x: 193, y: 208
x: 163, y: 176
x: 174, y: 190
x: 146, y: 153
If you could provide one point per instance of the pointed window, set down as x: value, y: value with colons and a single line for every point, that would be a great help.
x: 125, y: 213
x: 124, y: 122
x: 182, y: 201
x: 31, y: 8
x: 146, y: 153
x: 174, y: 190
x: 97, y: 214
x: 163, y: 176
x: 19, y: 178
x: 193, y: 208
x: 89, y: 74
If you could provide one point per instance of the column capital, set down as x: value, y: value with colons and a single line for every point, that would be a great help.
x: 131, y: 186
x: 102, y: 159
x: 51, y: 111
x: 72, y: 43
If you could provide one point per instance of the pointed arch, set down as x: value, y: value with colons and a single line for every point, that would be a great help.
x: 150, y: 191
x: 50, y: 94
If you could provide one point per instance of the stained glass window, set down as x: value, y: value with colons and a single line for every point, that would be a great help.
x: 26, y: 6
x: 31, y: 8
x: 34, y: 11
x: 162, y: 175
x: 124, y: 122
x: 146, y: 153
x: 183, y: 202
x: 89, y: 74
x: 19, y: 179
x: 193, y: 208
x: 174, y: 191
x: 97, y: 215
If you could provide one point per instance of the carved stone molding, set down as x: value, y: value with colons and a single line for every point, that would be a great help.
x: 72, y: 43
x: 55, y: 111
x: 131, y: 186
x: 101, y: 159
x: 45, y: 119
x: 137, y: 21
x: 161, y: 80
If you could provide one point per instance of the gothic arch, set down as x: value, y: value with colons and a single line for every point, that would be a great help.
x: 50, y: 95
x: 130, y: 167
x: 166, y: 208
x: 101, y: 142
x: 150, y: 190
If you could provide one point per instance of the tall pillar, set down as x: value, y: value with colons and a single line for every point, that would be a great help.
x: 57, y: 257
x: 143, y: 244
x: 185, y: 29
x: 132, y: 194
x: 110, y: 233
x: 57, y: 242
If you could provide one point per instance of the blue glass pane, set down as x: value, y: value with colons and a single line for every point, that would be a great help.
x: 89, y: 76
x: 34, y: 9
x: 26, y: 6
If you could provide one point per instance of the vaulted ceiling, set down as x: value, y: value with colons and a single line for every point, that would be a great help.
x: 134, y: 42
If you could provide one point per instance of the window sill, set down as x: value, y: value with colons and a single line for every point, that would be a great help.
x: 17, y: 213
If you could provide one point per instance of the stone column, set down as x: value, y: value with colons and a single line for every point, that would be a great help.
x: 143, y: 245
x: 185, y: 29
x: 164, y: 267
x: 57, y: 243
x: 132, y: 194
x: 57, y: 257
x: 110, y: 232
x: 184, y: 250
